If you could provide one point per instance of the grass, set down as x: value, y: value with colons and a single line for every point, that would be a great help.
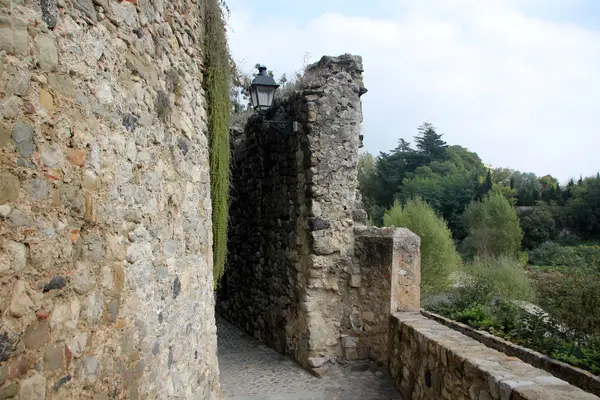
x: 218, y: 68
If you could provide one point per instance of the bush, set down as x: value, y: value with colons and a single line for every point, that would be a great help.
x: 574, y: 300
x: 493, y: 227
x: 552, y: 253
x: 502, y: 277
x: 439, y: 258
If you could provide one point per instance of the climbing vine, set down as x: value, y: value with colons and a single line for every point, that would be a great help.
x: 217, y: 85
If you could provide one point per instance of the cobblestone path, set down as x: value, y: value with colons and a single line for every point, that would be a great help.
x: 252, y: 371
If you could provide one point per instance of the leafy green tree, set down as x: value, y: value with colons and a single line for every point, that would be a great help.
x: 528, y: 188
x: 367, y: 180
x: 582, y: 211
x: 502, y: 176
x: 493, y: 227
x: 439, y: 259
x: 538, y: 225
x: 509, y: 193
x: 448, y: 186
x: 486, y: 186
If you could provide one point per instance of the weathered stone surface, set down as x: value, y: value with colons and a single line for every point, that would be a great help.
x: 83, y: 279
x: 33, y: 388
x: 10, y: 187
x: 89, y: 371
x: 53, y: 357
x: 46, y: 52
x: 46, y: 100
x: 86, y: 7
x: 22, y: 134
x: 37, y: 334
x: 77, y: 344
x: 471, y: 370
x: 19, y: 84
x: 125, y: 14
x: 291, y: 242
x: 93, y: 307
x: 49, y: 12
x: 80, y: 185
x: 57, y: 282
x: 14, y: 37
x: 9, y: 391
x: 24, y: 299
x: 18, y: 367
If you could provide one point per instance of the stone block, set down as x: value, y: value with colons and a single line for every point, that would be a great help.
x: 53, y: 357
x: 316, y: 362
x: 14, y: 38
x: 46, y: 52
x: 33, y: 388
x: 37, y: 334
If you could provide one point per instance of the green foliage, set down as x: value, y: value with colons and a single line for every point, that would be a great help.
x: 554, y: 254
x: 218, y: 76
x: 439, y: 258
x: 430, y: 145
x: 538, y: 224
x: 582, y: 211
x: 493, y: 227
x: 574, y: 299
x: 368, y: 182
x: 448, y: 186
x: 478, y: 304
x: 503, y: 277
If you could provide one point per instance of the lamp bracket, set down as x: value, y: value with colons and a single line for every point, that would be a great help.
x: 281, y: 125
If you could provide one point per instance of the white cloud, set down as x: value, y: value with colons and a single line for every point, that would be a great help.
x: 521, y: 92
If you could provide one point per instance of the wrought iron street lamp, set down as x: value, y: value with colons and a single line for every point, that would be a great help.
x: 262, y: 90
x: 262, y: 94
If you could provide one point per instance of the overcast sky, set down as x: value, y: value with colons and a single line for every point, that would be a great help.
x: 517, y: 81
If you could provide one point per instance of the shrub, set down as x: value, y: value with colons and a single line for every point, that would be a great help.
x: 502, y: 277
x: 439, y: 258
x: 573, y: 299
x: 493, y: 227
x: 552, y: 253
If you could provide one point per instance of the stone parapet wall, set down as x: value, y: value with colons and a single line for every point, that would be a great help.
x: 575, y: 376
x: 105, y: 214
x: 387, y: 279
x: 431, y: 361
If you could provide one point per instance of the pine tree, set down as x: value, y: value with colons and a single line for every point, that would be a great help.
x: 430, y: 144
x: 486, y: 186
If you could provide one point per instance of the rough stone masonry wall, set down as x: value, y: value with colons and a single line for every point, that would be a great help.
x: 105, y: 213
x: 291, y: 234
x: 431, y: 361
x: 295, y: 278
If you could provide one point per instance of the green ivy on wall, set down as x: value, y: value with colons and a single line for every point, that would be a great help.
x: 217, y: 84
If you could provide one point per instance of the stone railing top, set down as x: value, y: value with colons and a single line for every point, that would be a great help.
x: 509, y: 377
x: 387, y: 232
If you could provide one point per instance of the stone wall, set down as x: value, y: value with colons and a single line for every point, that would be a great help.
x: 387, y: 280
x: 295, y: 277
x: 576, y: 376
x: 293, y: 197
x: 105, y: 229
x: 431, y: 361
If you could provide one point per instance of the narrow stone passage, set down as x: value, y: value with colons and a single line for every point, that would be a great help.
x: 252, y: 371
